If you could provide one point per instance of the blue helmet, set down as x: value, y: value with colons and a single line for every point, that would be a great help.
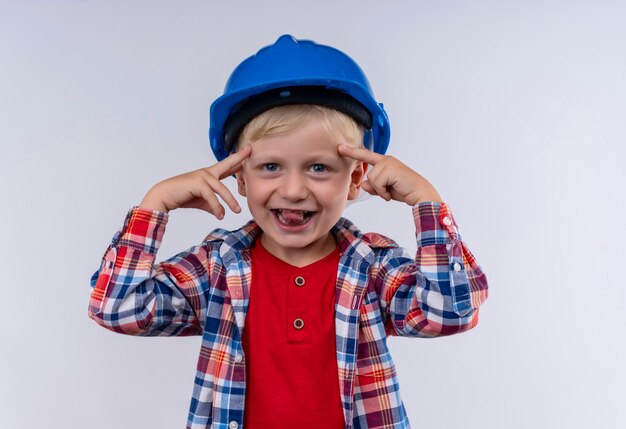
x: 292, y: 72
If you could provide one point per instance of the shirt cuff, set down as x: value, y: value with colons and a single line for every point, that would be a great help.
x: 434, y: 224
x: 143, y: 230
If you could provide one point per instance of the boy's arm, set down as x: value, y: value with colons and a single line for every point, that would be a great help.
x: 130, y: 294
x: 437, y: 293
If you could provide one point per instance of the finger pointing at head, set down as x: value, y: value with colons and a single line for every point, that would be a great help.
x: 359, y: 154
x: 231, y: 164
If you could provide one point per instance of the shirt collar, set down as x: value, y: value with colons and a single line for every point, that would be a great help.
x: 346, y: 233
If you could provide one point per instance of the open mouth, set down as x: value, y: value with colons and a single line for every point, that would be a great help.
x: 293, y: 217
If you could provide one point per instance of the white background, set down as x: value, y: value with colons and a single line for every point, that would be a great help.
x: 515, y: 111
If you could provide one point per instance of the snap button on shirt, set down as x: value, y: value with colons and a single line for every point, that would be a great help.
x: 233, y: 425
x: 447, y: 221
x: 457, y: 266
x: 299, y: 281
x: 298, y: 323
x: 238, y: 358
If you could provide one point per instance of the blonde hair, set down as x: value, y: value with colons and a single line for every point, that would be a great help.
x: 284, y: 119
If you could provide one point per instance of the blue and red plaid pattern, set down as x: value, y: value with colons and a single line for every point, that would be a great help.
x: 381, y: 291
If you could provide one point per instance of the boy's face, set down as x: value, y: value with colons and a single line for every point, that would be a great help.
x: 297, y: 186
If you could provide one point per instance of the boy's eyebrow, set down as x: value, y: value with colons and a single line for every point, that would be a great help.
x: 264, y: 156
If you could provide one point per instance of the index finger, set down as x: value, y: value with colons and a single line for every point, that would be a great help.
x: 360, y: 154
x: 232, y: 163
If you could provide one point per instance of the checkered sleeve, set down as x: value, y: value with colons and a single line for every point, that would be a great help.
x: 440, y: 290
x: 133, y: 295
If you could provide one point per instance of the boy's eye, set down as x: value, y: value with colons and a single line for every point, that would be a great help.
x: 270, y: 166
x: 318, y: 168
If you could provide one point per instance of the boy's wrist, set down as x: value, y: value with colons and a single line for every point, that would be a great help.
x: 430, y: 197
x: 152, y: 202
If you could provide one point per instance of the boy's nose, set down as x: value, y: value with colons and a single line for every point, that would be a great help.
x: 293, y: 188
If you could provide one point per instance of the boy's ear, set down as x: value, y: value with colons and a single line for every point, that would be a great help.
x: 241, y: 184
x: 358, y: 174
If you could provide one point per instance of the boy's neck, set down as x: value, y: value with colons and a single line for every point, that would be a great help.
x: 301, y: 257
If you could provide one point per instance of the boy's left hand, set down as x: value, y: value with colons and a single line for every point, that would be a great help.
x: 391, y: 179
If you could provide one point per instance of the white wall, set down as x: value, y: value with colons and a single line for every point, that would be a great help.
x: 513, y: 110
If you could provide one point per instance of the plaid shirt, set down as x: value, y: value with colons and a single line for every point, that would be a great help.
x: 381, y: 290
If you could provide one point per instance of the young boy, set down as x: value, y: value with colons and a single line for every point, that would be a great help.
x: 294, y: 307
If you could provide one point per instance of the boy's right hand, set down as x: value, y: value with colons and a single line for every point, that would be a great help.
x: 197, y: 189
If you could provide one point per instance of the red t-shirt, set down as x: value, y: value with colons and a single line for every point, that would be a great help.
x: 289, y: 343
